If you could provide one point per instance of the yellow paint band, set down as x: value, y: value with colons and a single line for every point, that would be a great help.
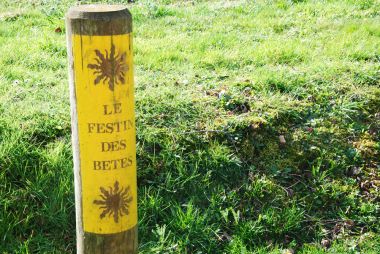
x: 104, y: 90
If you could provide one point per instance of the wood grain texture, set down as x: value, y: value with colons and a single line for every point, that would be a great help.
x: 94, y: 20
x: 124, y: 242
x: 99, y: 20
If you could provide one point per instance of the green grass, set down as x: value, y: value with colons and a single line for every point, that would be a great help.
x: 217, y: 83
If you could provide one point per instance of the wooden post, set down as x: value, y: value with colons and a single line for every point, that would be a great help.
x: 103, y: 128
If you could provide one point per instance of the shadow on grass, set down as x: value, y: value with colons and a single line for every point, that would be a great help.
x: 207, y: 190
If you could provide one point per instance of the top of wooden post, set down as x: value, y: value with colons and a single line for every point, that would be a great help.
x: 99, y: 19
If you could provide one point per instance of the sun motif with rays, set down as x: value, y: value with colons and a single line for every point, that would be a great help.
x: 109, y: 68
x: 114, y: 202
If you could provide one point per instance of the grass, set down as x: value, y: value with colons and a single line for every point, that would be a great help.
x: 217, y: 83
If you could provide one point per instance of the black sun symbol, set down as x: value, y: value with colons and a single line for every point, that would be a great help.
x: 110, y: 68
x: 114, y: 202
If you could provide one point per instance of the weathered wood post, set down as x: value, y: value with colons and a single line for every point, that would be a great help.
x: 103, y: 128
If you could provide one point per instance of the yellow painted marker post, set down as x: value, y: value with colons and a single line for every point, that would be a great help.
x: 103, y: 128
